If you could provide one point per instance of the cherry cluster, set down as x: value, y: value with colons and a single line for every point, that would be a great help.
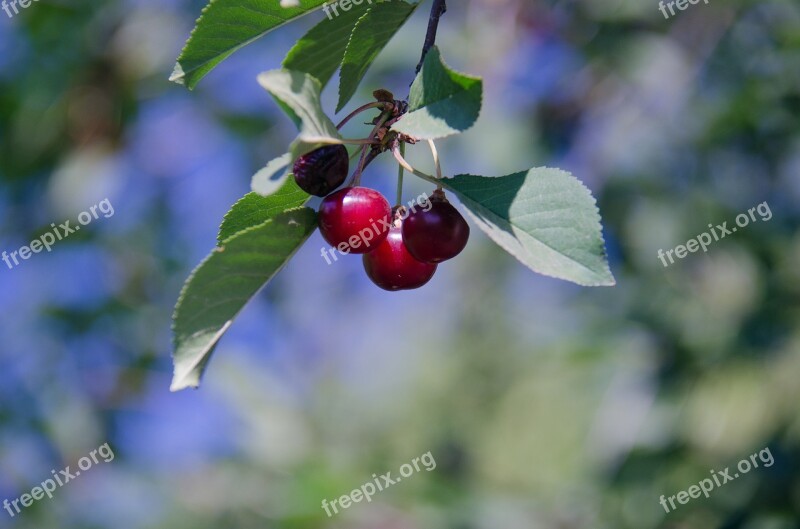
x: 404, y: 247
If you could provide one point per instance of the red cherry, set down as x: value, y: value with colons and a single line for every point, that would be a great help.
x: 391, y: 267
x: 438, y: 234
x: 355, y: 219
x: 323, y: 170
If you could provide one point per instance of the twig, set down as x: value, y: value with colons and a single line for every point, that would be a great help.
x: 438, y: 9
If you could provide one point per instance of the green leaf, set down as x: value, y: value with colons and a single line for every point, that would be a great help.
x: 371, y: 34
x: 321, y: 50
x: 253, y: 209
x: 273, y: 176
x: 224, y: 282
x: 298, y: 94
x: 544, y: 217
x: 443, y: 102
x: 227, y: 25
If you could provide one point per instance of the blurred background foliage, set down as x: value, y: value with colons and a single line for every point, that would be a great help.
x: 545, y: 405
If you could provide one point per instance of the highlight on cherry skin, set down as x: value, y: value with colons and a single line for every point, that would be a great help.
x: 438, y: 234
x: 347, y: 215
x: 391, y: 267
x: 322, y: 170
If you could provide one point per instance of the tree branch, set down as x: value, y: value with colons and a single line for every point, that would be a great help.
x: 438, y: 9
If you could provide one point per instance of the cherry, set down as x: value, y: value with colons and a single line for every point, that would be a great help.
x: 392, y: 267
x: 323, y: 170
x: 438, y: 234
x: 355, y: 219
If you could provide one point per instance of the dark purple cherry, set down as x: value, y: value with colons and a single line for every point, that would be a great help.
x: 323, y: 170
x: 438, y: 234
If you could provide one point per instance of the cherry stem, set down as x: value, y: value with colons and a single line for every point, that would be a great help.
x: 437, y: 162
x: 407, y: 166
x: 394, y: 120
x: 438, y: 9
x: 370, y: 157
x: 359, y: 110
x: 362, y: 162
x: 400, y: 170
x: 365, y: 141
x: 361, y: 165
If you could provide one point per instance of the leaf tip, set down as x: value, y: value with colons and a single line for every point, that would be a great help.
x: 180, y: 383
x: 178, y: 76
x: 604, y: 279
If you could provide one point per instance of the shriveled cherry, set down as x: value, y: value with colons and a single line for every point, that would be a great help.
x: 392, y: 267
x: 323, y: 170
x: 438, y: 234
x: 355, y: 219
